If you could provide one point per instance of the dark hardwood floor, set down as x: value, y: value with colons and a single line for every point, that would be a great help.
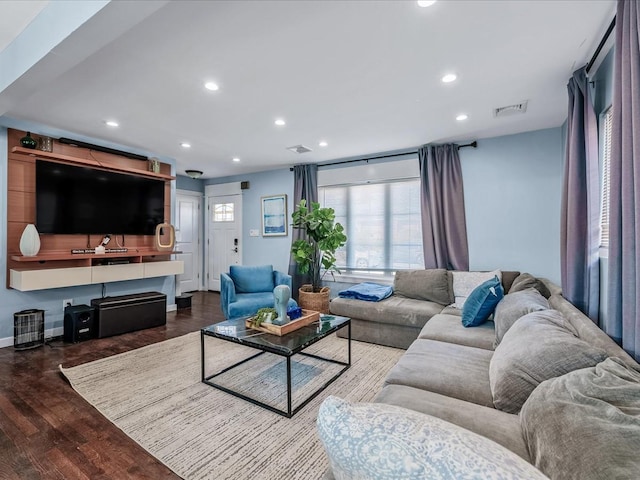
x: 47, y: 431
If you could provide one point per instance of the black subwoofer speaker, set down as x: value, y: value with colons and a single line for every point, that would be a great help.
x: 78, y: 323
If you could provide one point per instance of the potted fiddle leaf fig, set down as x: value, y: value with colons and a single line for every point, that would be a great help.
x: 315, y: 255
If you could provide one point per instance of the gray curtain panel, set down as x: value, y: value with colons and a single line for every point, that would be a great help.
x: 623, y: 319
x: 305, y: 186
x: 444, y: 225
x: 580, y: 227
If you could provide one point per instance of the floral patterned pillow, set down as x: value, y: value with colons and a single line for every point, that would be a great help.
x: 385, y: 442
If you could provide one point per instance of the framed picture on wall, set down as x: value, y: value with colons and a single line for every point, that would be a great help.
x: 274, y: 215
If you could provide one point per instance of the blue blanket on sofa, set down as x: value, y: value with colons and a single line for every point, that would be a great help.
x: 371, y: 292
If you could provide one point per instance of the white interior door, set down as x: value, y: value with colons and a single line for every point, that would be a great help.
x: 188, y: 241
x: 224, y: 217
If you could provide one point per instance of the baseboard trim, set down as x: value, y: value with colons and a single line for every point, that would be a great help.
x: 59, y: 331
x: 48, y: 333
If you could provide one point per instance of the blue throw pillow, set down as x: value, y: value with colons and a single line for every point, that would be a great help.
x: 482, y: 302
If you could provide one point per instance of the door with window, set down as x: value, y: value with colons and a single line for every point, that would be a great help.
x: 224, y: 217
x: 188, y: 240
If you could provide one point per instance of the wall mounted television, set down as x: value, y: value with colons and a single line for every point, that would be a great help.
x: 81, y: 200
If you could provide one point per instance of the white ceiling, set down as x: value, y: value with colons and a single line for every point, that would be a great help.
x: 362, y: 75
x: 16, y: 15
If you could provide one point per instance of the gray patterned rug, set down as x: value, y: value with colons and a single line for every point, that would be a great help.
x: 155, y: 396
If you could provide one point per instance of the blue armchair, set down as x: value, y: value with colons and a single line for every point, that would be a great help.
x: 246, y: 289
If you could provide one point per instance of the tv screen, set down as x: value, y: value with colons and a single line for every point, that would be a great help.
x: 81, y: 200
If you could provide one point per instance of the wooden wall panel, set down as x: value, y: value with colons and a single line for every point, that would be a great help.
x: 23, y: 207
x: 21, y: 175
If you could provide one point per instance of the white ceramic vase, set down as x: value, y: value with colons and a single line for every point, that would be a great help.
x: 30, y: 241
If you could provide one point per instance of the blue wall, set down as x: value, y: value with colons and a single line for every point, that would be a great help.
x: 263, y: 250
x: 513, y: 187
x: 12, y: 301
x: 188, y: 183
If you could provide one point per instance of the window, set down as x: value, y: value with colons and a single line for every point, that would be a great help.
x: 382, y: 223
x: 223, y: 212
x: 606, y: 165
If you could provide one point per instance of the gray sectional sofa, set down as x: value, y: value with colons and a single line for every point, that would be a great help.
x: 396, y: 321
x: 543, y: 381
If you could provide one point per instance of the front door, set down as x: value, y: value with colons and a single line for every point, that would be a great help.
x: 188, y: 240
x: 224, y: 214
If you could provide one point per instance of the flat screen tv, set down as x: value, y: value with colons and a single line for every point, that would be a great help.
x: 81, y: 200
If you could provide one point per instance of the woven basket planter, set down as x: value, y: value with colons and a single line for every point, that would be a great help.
x: 310, y: 300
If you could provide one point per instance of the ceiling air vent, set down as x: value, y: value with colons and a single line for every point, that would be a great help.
x: 299, y: 149
x: 510, y: 109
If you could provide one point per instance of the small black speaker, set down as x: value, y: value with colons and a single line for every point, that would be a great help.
x: 78, y: 323
x: 244, y: 185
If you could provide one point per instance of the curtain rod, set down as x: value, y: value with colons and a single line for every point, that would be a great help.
x: 473, y: 144
x: 601, y: 44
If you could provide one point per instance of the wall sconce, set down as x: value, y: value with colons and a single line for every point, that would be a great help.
x: 195, y: 174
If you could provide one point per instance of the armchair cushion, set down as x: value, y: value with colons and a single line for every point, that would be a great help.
x: 246, y: 289
x: 252, y: 279
x: 247, y: 304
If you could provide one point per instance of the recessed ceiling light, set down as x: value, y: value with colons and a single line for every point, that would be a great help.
x: 449, y: 77
x: 211, y: 86
x: 425, y: 3
x: 185, y: 145
x: 322, y: 143
x: 280, y: 122
x: 236, y: 159
x: 462, y: 116
x: 112, y: 123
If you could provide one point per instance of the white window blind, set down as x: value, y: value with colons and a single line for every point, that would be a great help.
x: 606, y: 165
x: 382, y: 223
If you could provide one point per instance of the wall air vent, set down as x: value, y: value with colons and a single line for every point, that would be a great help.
x: 299, y: 149
x: 510, y: 109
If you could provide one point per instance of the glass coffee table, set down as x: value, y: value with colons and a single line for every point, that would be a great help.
x: 287, y: 346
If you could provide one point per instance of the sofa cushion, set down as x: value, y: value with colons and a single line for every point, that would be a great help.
x: 432, y: 285
x: 480, y: 305
x: 592, y: 417
x: 385, y: 442
x: 589, y: 331
x: 516, y: 305
x: 526, y: 280
x: 395, y: 310
x: 452, y: 370
x: 252, y: 279
x: 501, y: 427
x: 465, y: 282
x: 539, y: 346
x: 447, y: 328
x: 247, y: 304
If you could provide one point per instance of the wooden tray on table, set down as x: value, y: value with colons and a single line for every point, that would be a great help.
x: 307, y: 318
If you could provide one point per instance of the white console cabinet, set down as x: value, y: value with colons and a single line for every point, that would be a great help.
x: 31, y: 278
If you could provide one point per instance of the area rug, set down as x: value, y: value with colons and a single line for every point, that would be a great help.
x: 155, y: 396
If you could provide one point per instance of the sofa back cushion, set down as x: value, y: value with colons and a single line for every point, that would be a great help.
x: 432, y: 285
x: 525, y: 281
x: 589, y: 331
x: 539, y: 346
x: 465, y: 282
x: 252, y: 279
x: 386, y: 442
x: 585, y: 425
x: 516, y: 305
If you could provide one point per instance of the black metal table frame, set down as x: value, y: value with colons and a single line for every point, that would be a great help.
x: 285, y: 413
